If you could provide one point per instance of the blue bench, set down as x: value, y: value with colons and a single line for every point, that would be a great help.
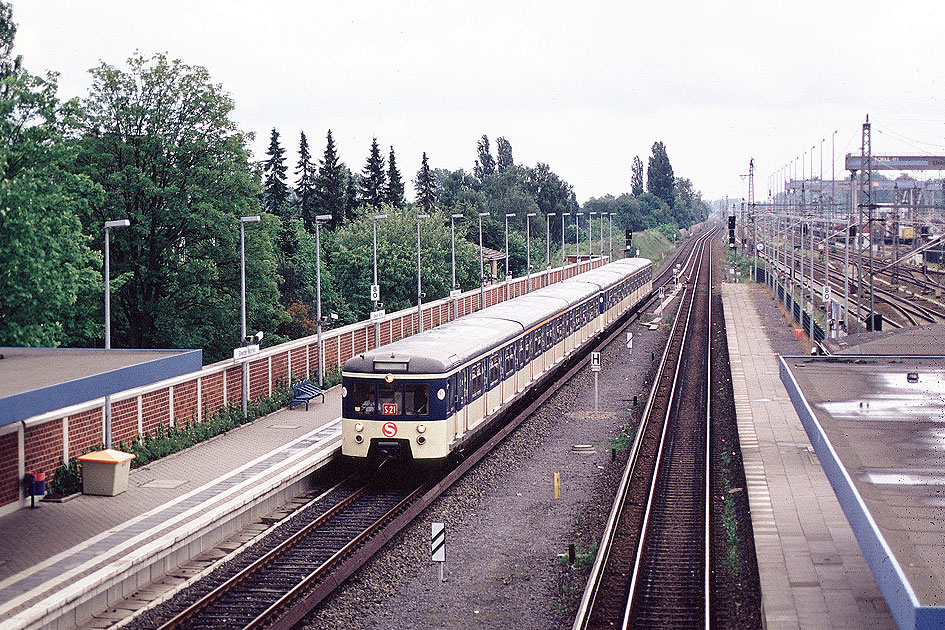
x: 304, y: 391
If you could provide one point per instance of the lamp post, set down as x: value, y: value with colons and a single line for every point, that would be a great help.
x: 244, y: 385
x: 577, y: 238
x: 319, y: 219
x: 528, y: 250
x: 419, y: 292
x: 453, y: 287
x: 590, y: 233
x: 482, y: 273
x: 376, y: 287
x: 508, y: 275
x: 611, y: 251
x: 602, y: 215
x: 548, y: 241
x: 563, y: 216
x: 108, y: 321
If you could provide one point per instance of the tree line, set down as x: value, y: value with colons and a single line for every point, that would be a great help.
x: 154, y: 142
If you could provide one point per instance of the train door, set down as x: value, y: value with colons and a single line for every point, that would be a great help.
x: 522, y: 374
x: 459, y: 395
x: 494, y: 387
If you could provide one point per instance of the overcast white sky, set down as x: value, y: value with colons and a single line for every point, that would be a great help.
x: 583, y: 86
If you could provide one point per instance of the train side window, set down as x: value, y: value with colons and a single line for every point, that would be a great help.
x: 495, y: 372
x: 365, y: 399
x: 459, y: 394
x: 475, y: 381
x: 536, y: 340
x: 450, y: 396
x: 417, y: 398
x: 391, y: 398
x: 509, y: 361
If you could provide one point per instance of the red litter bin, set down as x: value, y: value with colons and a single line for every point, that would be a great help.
x: 35, y: 485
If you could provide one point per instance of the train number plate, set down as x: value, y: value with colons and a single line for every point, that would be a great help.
x: 389, y: 429
x: 389, y: 409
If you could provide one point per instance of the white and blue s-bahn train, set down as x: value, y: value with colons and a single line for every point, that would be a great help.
x: 424, y: 396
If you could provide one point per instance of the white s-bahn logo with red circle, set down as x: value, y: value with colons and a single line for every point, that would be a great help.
x: 389, y: 429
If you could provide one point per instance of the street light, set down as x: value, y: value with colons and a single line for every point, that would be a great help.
x: 563, y: 215
x: 508, y: 275
x: 602, y: 215
x: 244, y: 385
x: 548, y: 241
x: 376, y: 287
x: 108, y: 321
x: 577, y: 238
x: 419, y: 293
x: 453, y: 288
x: 482, y: 273
x: 528, y: 250
x: 319, y: 219
x: 590, y: 233
x: 611, y: 253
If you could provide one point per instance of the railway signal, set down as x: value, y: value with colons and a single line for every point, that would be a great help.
x: 629, y: 240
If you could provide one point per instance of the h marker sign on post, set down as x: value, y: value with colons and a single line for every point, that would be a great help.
x: 438, y: 546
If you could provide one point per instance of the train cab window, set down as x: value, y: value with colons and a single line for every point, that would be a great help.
x: 417, y: 399
x: 365, y: 398
x: 390, y: 397
x: 509, y: 361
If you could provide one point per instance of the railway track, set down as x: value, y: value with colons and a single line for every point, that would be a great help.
x: 275, y: 583
x: 652, y: 567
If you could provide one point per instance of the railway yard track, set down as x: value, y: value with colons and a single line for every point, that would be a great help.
x: 652, y: 568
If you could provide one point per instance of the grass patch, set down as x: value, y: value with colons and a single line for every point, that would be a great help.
x: 624, y: 439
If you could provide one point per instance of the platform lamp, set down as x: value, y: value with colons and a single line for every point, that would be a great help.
x: 577, y: 238
x: 548, y: 242
x: 376, y: 288
x: 528, y: 250
x: 453, y: 287
x: 611, y: 251
x: 319, y: 219
x: 602, y: 215
x: 108, y: 321
x: 563, y: 216
x: 244, y: 378
x: 590, y: 233
x: 482, y: 272
x: 419, y: 292
x: 508, y: 274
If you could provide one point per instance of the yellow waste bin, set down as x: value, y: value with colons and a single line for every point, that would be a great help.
x: 105, y: 472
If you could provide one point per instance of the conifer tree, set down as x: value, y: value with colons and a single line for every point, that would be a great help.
x: 275, y: 190
x: 373, y: 179
x: 485, y: 164
x: 305, y: 184
x: 659, y: 175
x: 395, y: 184
x: 636, y: 177
x: 426, y: 195
x: 331, y: 184
x: 504, y: 150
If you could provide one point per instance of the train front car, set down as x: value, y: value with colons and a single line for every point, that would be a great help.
x: 399, y: 401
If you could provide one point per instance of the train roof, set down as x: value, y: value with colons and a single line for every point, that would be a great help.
x: 452, y: 344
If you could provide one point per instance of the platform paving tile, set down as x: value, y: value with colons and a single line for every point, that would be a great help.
x: 813, y: 574
x: 80, y: 536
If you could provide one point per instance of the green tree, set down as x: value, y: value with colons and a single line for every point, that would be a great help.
x: 275, y: 190
x: 331, y: 186
x: 425, y: 185
x: 659, y: 175
x: 504, y: 151
x: 395, y: 184
x: 160, y: 140
x: 636, y: 177
x: 305, y: 198
x: 50, y: 282
x: 485, y: 163
x: 373, y: 179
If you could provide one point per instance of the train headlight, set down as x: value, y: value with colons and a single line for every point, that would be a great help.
x: 359, y: 438
x: 344, y: 391
x: 421, y: 440
x: 441, y: 394
x: 421, y: 428
x: 358, y: 427
x: 389, y: 377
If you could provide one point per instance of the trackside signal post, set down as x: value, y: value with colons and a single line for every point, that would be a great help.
x: 595, y: 368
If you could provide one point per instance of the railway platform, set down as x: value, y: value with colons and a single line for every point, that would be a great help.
x: 813, y: 573
x: 62, y: 563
